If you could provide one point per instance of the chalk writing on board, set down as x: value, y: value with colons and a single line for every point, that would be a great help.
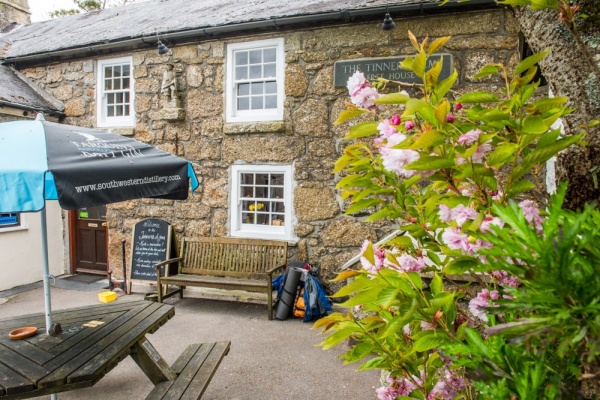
x: 150, y: 245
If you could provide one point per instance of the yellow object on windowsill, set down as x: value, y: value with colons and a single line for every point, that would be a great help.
x: 107, y: 297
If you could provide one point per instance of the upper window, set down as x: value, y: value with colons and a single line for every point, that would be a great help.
x: 255, y: 81
x: 115, y: 93
x: 261, y: 201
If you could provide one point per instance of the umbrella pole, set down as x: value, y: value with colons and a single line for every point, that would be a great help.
x: 48, y: 306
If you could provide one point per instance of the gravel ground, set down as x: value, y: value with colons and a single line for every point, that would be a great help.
x: 268, y: 360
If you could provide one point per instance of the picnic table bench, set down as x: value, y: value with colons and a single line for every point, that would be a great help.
x: 224, y: 263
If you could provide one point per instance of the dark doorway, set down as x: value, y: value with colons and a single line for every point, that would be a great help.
x: 89, y: 241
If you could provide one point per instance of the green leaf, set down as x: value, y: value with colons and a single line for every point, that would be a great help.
x: 419, y: 64
x: 362, y: 130
x: 487, y: 70
x: 361, y: 205
x: 501, y: 154
x: 338, y: 337
x: 433, y: 74
x: 392, y: 98
x: 548, y: 138
x: 437, y: 286
x: 531, y: 60
x: 438, y: 44
x: 427, y: 163
x: 444, y: 86
x: 427, y: 340
x: 460, y: 265
x: 428, y: 138
x: 544, y: 4
x: 478, y: 97
x: 345, y: 115
x: 534, y: 125
x: 519, y: 187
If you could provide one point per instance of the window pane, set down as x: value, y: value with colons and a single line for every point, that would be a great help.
x: 276, y: 193
x: 277, y: 179
x: 241, y: 57
x: 126, y: 70
x: 270, y: 71
x: 262, y: 219
x: 126, y: 112
x: 257, y: 88
x: 110, y: 111
x: 261, y: 192
x: 107, y: 72
x: 255, y: 56
x: 270, y: 101
x: 125, y: 83
x: 117, y: 84
x: 241, y: 73
x: 117, y: 71
x: 119, y: 111
x: 248, y: 179
x: 247, y: 218
x: 262, y: 179
x: 110, y: 98
x: 256, y: 72
x: 270, y: 55
x: 257, y: 103
x: 120, y: 98
x: 243, y: 89
x: 271, y: 87
x: 243, y: 103
x: 108, y: 84
x: 127, y: 97
x: 277, y: 206
x: 247, y: 191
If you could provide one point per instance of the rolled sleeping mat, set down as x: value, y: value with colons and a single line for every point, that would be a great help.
x: 288, y: 293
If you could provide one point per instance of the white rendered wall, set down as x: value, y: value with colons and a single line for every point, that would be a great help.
x: 21, y: 249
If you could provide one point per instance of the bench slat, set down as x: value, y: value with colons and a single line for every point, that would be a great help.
x: 195, y: 368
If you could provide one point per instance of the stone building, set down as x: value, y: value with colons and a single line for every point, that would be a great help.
x: 258, y: 87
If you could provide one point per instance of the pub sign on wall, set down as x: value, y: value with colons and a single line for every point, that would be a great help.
x: 388, y: 68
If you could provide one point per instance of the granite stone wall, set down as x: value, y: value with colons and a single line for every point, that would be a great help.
x: 305, y: 138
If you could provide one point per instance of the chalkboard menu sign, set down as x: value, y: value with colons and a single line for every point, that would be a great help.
x: 151, y: 244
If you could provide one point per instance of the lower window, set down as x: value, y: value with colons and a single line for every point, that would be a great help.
x: 261, y: 201
x: 10, y: 220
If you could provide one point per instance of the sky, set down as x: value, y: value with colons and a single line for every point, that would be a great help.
x: 41, y: 8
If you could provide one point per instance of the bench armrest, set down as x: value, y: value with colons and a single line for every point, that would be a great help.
x: 166, y: 262
x: 272, y: 270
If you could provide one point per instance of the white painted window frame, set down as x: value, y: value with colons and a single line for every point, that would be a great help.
x: 232, y: 115
x: 20, y: 226
x: 237, y: 228
x: 103, y: 120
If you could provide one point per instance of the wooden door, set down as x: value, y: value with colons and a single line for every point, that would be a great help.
x: 91, y: 234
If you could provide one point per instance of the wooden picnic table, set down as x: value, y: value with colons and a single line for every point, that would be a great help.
x: 94, y: 340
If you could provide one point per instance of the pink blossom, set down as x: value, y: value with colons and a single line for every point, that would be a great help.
x: 409, y: 263
x: 532, y: 214
x: 477, y: 157
x: 386, y: 393
x: 488, y: 221
x: 397, y: 387
x: 365, y: 98
x: 378, y: 258
x: 448, y: 387
x: 394, y: 160
x: 395, y: 120
x: 445, y: 213
x: 356, y: 83
x: 458, y: 106
x: 505, y: 279
x: 409, y: 125
x: 462, y: 213
x: 467, y: 139
x: 426, y: 325
x: 456, y: 239
x: 450, y: 118
x: 483, y: 300
x: 386, y: 129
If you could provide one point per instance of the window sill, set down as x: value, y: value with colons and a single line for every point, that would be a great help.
x: 236, y: 128
x: 14, y: 228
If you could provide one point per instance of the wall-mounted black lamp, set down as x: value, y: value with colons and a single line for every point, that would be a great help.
x: 388, y: 23
x: 162, y: 49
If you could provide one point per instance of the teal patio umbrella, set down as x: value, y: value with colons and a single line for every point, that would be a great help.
x: 81, y: 167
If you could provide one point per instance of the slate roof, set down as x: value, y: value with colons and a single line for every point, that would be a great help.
x: 143, y: 21
x: 16, y: 92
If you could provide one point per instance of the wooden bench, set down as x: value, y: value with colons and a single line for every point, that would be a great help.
x: 194, y: 368
x: 225, y: 263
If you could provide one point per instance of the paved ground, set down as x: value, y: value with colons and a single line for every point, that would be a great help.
x: 268, y: 360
